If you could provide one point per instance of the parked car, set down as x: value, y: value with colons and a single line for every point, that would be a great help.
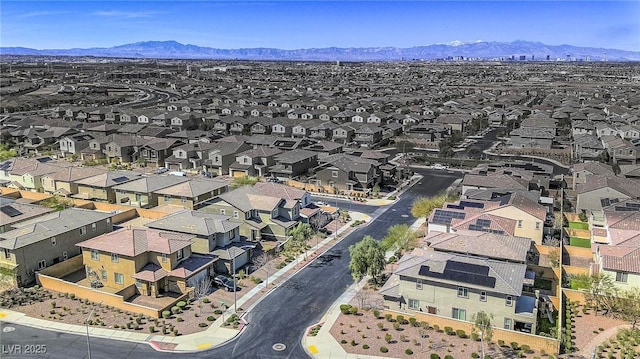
x: 160, y: 170
x: 223, y: 282
x: 325, y: 231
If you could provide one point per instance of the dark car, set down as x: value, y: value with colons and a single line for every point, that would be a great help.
x: 325, y: 231
x: 226, y: 283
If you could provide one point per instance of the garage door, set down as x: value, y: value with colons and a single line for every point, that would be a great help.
x: 238, y: 174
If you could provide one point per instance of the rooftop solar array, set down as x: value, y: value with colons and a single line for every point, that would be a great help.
x: 463, y: 273
x: 472, y: 204
x: 445, y: 217
x: 120, y: 179
x: 10, y: 211
x: 606, y: 202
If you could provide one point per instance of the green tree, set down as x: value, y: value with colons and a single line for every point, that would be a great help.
x: 300, y: 235
x: 482, y: 325
x: 367, y: 258
x: 404, y: 146
x: 244, y: 181
x: 6, y: 152
x: 423, y: 206
x: 57, y: 203
x: 600, y: 292
x: 400, y: 238
x: 627, y: 306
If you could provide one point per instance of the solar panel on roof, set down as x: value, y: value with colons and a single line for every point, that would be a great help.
x: 10, y: 211
x: 633, y: 205
x: 483, y: 222
x: 472, y: 204
x: 43, y: 159
x: 5, y: 165
x: 462, y: 272
x: 442, y: 216
x: 120, y: 179
x: 604, y: 202
x: 625, y: 209
x: 454, y: 206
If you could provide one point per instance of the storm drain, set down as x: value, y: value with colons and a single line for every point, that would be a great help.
x: 279, y: 347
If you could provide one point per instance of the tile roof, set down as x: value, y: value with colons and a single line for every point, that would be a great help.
x: 501, y: 181
x: 481, y: 244
x: 135, y: 241
x: 194, y: 187
x: 620, y: 258
x: 196, y: 223
x: 150, y: 184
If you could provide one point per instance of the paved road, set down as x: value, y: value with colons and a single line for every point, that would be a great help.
x: 282, y: 316
x: 346, y: 204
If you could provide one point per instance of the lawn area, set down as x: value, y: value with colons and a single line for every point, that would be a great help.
x: 578, y: 225
x: 580, y: 242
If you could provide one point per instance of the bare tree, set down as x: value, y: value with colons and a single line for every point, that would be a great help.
x: 201, y: 290
x: 363, y: 297
x: 264, y: 261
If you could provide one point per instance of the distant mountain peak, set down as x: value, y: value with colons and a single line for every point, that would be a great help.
x: 459, y: 50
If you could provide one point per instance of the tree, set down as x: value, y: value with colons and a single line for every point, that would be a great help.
x: 201, y: 290
x: 627, y: 306
x: 482, y: 326
x: 57, y: 203
x: 6, y: 152
x: 264, y: 262
x: 600, y: 291
x: 367, y: 258
x: 423, y: 206
x: 300, y: 235
x: 404, y: 146
x: 400, y: 238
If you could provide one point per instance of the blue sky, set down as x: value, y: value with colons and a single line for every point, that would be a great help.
x: 308, y: 24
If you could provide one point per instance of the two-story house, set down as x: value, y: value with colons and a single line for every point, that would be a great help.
x: 142, y: 193
x: 254, y: 162
x: 294, y: 163
x: 191, y: 194
x: 155, y: 262
x: 48, y: 239
x: 214, y: 235
x: 223, y: 155
x: 100, y: 187
x: 63, y: 181
x: 347, y: 173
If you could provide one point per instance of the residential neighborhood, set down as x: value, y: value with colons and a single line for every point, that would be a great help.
x: 172, y: 192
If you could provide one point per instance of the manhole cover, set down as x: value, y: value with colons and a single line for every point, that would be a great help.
x: 279, y: 347
x: 8, y: 329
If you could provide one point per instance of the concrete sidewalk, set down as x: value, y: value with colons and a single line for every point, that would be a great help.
x: 213, y: 336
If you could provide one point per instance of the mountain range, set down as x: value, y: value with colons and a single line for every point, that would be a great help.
x: 485, y: 50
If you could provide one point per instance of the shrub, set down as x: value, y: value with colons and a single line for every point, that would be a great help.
x: 514, y: 345
x: 525, y: 348
x: 380, y: 325
x: 203, y: 325
x: 179, y: 319
x: 400, y: 319
x: 501, y: 342
x: 353, y: 343
x: 396, y: 326
x: 475, y: 337
x: 152, y: 329
x: 384, y: 349
x: 408, y: 352
x: 166, y: 314
x: 345, y: 308
x: 413, y: 322
x: 448, y: 357
x: 217, y: 311
x: 343, y: 341
x: 475, y: 355
x: 206, y: 300
x: 461, y: 334
x: 364, y: 346
x: 449, y: 331
x: 211, y: 318
x: 387, y: 338
x: 353, y: 310
x: 376, y: 313
x: 175, y: 309
x: 181, y: 304
x: 436, y: 327
x: 389, y: 317
x: 434, y: 356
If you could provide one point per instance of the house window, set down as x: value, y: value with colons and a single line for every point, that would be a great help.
x: 7, y: 253
x: 334, y: 173
x: 483, y: 296
x: 463, y: 292
x: 235, y: 214
x: 167, y: 198
x: 508, y: 301
x: 459, y: 314
x: 222, y: 211
x: 274, y: 213
x: 164, y: 258
x: 115, y: 258
x: 418, y: 283
x: 103, y: 275
x: 108, y: 221
x: 119, y: 278
x: 507, y: 323
x: 53, y: 241
x: 247, y: 215
x: 83, y: 231
x: 65, y: 256
x: 42, y: 264
x: 93, y: 227
x: 537, y: 225
x: 183, y: 200
x: 414, y: 304
x: 95, y: 255
x: 180, y: 253
x: 519, y: 223
x: 622, y: 277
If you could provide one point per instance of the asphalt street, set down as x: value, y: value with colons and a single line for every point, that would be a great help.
x: 280, y: 317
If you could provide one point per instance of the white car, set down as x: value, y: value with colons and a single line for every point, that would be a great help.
x: 439, y: 166
x: 320, y: 203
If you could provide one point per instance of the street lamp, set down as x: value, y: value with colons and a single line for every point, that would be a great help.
x: 233, y: 277
x: 86, y: 324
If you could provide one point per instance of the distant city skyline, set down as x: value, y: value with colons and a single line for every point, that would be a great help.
x: 315, y: 24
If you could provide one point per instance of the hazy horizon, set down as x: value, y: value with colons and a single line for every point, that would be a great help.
x: 292, y: 25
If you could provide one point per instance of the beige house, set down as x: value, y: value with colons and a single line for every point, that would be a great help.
x: 191, y: 194
x: 100, y: 187
x: 63, y: 181
x: 621, y: 263
x: 141, y: 192
x: 46, y: 240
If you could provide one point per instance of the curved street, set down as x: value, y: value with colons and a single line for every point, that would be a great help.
x: 280, y: 317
